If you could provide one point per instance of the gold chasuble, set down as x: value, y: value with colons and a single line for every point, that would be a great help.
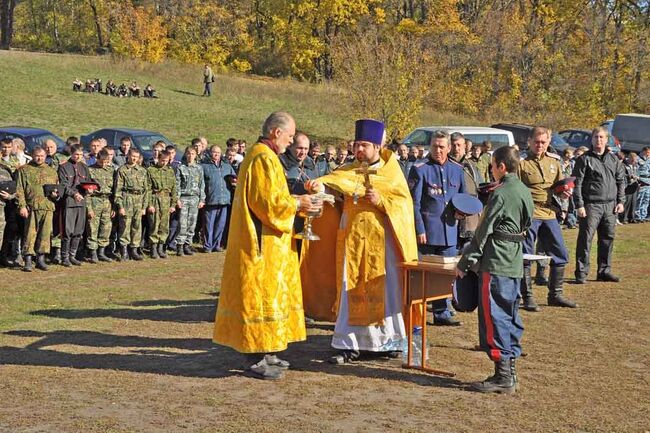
x: 260, y: 302
x: 361, y: 242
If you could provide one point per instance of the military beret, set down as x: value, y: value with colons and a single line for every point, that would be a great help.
x: 88, y: 186
x: 466, y: 204
x: 49, y: 188
x: 466, y: 293
x: 8, y: 186
x: 563, y: 185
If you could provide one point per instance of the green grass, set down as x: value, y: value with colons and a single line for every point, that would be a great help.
x: 36, y: 90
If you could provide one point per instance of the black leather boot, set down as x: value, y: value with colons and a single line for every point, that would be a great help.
x: 55, y: 256
x: 179, y: 250
x: 162, y: 252
x: 93, y: 256
x: 187, y: 249
x: 74, y: 245
x: 154, y: 251
x: 65, y: 253
x: 555, y: 287
x: 124, y: 256
x: 134, y: 253
x: 501, y: 382
x: 101, y: 255
x: 540, y: 275
x: 27, y: 267
x: 529, y: 303
x: 40, y: 262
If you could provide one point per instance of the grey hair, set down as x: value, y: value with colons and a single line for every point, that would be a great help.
x: 440, y: 133
x: 278, y: 119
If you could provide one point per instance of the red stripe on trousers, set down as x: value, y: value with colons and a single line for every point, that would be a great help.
x: 493, y: 352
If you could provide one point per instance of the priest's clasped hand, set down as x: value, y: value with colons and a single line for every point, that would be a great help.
x: 372, y: 195
x: 308, y: 204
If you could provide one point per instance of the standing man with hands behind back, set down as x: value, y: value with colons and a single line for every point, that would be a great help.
x: 599, y: 197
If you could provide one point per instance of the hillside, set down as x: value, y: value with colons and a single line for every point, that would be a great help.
x: 36, y: 91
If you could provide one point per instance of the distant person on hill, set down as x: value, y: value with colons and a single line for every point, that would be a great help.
x: 76, y: 85
x: 149, y: 91
x: 134, y: 90
x: 98, y: 85
x: 111, y: 88
x: 122, y: 91
x: 208, y: 79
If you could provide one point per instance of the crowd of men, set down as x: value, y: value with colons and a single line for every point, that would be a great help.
x: 105, y: 204
x: 112, y: 89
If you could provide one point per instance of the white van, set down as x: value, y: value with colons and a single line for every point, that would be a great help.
x: 478, y: 134
x: 632, y: 131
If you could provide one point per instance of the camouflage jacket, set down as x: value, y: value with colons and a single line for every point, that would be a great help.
x: 105, y: 177
x: 131, y: 179
x: 162, y: 181
x: 56, y: 160
x: 190, y: 182
x: 11, y: 164
x: 5, y: 176
x: 30, y: 181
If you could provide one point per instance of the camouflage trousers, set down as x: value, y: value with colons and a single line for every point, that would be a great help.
x: 159, y: 220
x: 99, y: 227
x: 130, y: 231
x: 38, y: 230
x: 187, y: 219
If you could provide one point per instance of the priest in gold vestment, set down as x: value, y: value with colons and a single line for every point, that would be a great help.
x: 376, y: 232
x: 260, y: 306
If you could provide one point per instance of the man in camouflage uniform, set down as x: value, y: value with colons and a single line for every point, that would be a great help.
x: 11, y: 242
x: 36, y: 207
x: 5, y: 197
x: 191, y: 189
x: 538, y: 172
x: 163, y: 200
x: 99, y: 207
x: 71, y: 174
x: 131, y: 198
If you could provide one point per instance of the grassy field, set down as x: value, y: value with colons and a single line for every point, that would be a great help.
x: 126, y: 347
x: 36, y: 91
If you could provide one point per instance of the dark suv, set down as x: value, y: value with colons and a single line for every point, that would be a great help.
x: 142, y: 139
x: 522, y: 131
x: 31, y: 136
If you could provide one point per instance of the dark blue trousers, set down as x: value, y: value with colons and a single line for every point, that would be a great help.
x: 547, y: 234
x: 442, y: 307
x: 499, y: 325
x: 214, y: 226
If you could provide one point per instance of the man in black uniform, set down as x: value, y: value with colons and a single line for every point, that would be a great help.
x: 599, y: 196
x: 71, y: 174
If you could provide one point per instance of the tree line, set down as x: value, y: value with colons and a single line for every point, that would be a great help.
x: 562, y: 62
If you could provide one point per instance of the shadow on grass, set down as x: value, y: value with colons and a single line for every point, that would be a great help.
x: 192, y: 311
x: 185, y: 92
x: 161, y: 356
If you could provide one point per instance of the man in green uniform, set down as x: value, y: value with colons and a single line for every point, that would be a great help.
x: 496, y: 253
x: 37, y: 207
x: 10, y: 243
x: 163, y: 200
x: 99, y: 207
x: 539, y: 171
x: 131, y: 198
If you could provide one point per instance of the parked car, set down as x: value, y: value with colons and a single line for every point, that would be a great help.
x: 582, y: 137
x: 633, y: 131
x: 31, y: 136
x: 142, y: 139
x: 478, y: 134
x: 521, y: 132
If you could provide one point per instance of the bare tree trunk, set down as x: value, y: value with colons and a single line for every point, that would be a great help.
x: 98, y: 26
x: 6, y: 22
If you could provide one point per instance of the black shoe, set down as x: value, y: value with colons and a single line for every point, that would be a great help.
x: 93, y: 256
x: 40, y: 262
x: 561, y: 301
x: 447, y: 321
x: 187, y: 249
x: 179, y: 251
x: 502, y: 382
x: 134, y: 253
x: 101, y: 255
x: 73, y: 258
x: 161, y: 251
x: 27, y: 267
x: 124, y: 255
x: 55, y: 257
x: 608, y: 276
x: 154, y: 251
x: 580, y: 279
x: 541, y: 281
x: 344, y: 357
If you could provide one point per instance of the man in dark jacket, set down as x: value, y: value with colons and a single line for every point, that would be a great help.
x: 217, y: 201
x: 71, y: 174
x: 599, y: 196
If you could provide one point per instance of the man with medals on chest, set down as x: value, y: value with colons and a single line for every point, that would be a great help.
x: 433, y: 182
x: 375, y: 233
